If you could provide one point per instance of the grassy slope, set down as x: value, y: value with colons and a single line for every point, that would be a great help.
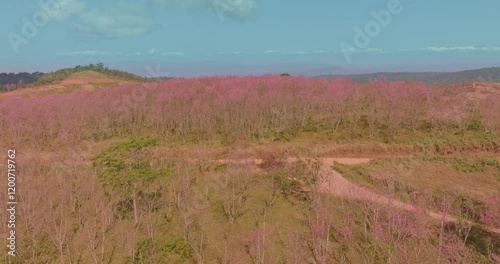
x: 80, y: 81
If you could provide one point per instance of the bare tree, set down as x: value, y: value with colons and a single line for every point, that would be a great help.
x: 235, y: 194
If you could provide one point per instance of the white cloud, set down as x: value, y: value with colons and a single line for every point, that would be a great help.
x: 83, y: 53
x: 368, y: 50
x: 440, y: 49
x: 297, y: 52
x: 118, y: 53
x: 453, y: 48
x: 374, y: 50
x: 349, y: 50
x: 65, y: 9
x: 236, y: 9
x: 173, y: 54
x: 305, y: 53
x: 118, y: 21
x: 170, y: 53
x: 275, y: 52
x: 153, y: 52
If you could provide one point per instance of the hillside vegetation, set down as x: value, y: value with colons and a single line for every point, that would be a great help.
x: 166, y: 172
x: 266, y: 109
x: 59, y: 75
x: 76, y: 82
x: 12, y: 81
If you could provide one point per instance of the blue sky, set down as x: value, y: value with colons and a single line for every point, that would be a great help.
x: 205, y: 37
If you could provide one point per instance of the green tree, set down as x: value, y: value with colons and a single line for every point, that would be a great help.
x: 127, y: 168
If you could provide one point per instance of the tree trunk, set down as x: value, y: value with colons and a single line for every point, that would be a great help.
x: 134, y: 199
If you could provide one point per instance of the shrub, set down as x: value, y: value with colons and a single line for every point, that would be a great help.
x: 127, y: 169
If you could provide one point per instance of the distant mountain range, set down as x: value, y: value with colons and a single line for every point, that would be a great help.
x: 13, y: 81
x: 479, y: 75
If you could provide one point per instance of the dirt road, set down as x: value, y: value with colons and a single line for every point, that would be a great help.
x: 334, y: 183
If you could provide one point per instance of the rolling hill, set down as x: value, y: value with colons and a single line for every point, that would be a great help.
x: 79, y: 81
x: 479, y: 75
x: 246, y: 169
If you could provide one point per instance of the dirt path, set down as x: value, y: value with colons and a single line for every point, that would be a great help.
x: 335, y: 184
x: 346, y: 161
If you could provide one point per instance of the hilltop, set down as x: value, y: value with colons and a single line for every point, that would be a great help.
x: 15, y: 81
x: 62, y: 74
x: 78, y: 81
